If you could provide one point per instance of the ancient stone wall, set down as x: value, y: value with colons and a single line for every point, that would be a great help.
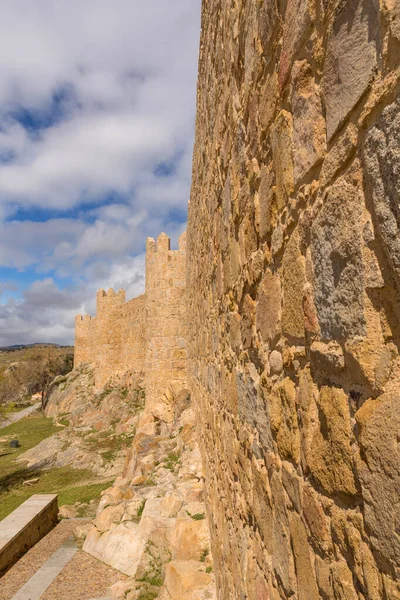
x: 146, y: 334
x: 107, y: 346
x: 84, y: 335
x: 133, y: 338
x: 293, y: 296
x: 165, y: 363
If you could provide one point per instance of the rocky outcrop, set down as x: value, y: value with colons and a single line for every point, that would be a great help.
x: 96, y: 427
x: 293, y: 296
x: 151, y: 524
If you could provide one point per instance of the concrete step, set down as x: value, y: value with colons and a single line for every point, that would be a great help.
x: 25, y: 526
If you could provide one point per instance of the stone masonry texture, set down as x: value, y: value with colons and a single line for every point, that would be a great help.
x: 293, y: 284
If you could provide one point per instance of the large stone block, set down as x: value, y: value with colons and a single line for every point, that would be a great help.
x: 309, y: 137
x: 284, y: 421
x: 329, y: 453
x: 296, y: 28
x: 267, y: 200
x: 282, y: 150
x: 379, y: 473
x: 282, y: 557
x: 351, y: 59
x: 268, y: 308
x: 253, y: 407
x: 382, y: 170
x: 293, y: 288
x: 186, y: 580
x: 336, y: 245
x: 305, y: 573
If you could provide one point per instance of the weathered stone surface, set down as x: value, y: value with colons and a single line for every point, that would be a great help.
x: 342, y: 582
x: 315, y: 518
x: 282, y: 149
x: 309, y: 137
x: 306, y: 579
x: 187, y: 580
x: 337, y: 256
x: 338, y: 155
x: 110, y: 515
x: 379, y: 473
x: 190, y: 539
x: 282, y: 558
x: 351, y: 59
x: 120, y: 547
x: 276, y: 362
x: 253, y: 407
x: 284, y: 420
x: 330, y: 456
x: 382, y: 170
x: 293, y: 289
x: 267, y: 200
x: 268, y: 308
x: 297, y: 25
x: 327, y: 356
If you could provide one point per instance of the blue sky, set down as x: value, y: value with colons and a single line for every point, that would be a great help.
x: 97, y: 108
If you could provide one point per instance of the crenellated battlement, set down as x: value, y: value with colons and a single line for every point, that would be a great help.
x: 145, y: 334
x: 121, y: 294
x: 163, y: 244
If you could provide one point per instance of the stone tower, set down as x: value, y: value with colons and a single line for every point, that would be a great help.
x: 165, y: 362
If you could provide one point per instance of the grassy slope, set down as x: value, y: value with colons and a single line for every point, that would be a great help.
x: 72, y: 485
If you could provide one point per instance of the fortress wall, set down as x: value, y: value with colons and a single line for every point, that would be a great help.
x: 84, y: 334
x: 107, y: 352
x: 114, y: 341
x: 133, y: 334
x: 165, y: 362
x: 146, y: 334
x: 294, y: 296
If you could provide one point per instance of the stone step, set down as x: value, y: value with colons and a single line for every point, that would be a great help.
x: 25, y: 526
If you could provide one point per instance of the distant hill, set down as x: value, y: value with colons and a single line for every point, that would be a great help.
x: 22, y: 346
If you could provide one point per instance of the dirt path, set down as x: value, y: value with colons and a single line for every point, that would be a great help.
x: 17, y: 416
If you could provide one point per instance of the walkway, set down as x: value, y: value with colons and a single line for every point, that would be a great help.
x: 17, y: 416
x: 56, y: 569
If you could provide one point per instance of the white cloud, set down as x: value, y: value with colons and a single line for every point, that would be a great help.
x: 95, y: 96
x: 46, y: 313
x: 129, y: 71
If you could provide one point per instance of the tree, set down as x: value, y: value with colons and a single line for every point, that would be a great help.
x: 33, y: 372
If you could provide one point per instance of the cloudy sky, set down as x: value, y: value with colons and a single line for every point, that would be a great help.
x: 97, y: 107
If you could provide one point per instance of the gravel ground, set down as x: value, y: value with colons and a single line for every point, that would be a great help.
x: 82, y: 578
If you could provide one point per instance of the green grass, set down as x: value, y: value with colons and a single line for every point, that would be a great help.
x: 197, y: 516
x: 29, y: 431
x: 155, y: 580
x: 171, y: 461
x: 14, y: 408
x: 83, y: 493
x: 140, y: 510
x: 64, y: 481
x: 204, y: 555
x: 110, y: 445
x: 147, y: 595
